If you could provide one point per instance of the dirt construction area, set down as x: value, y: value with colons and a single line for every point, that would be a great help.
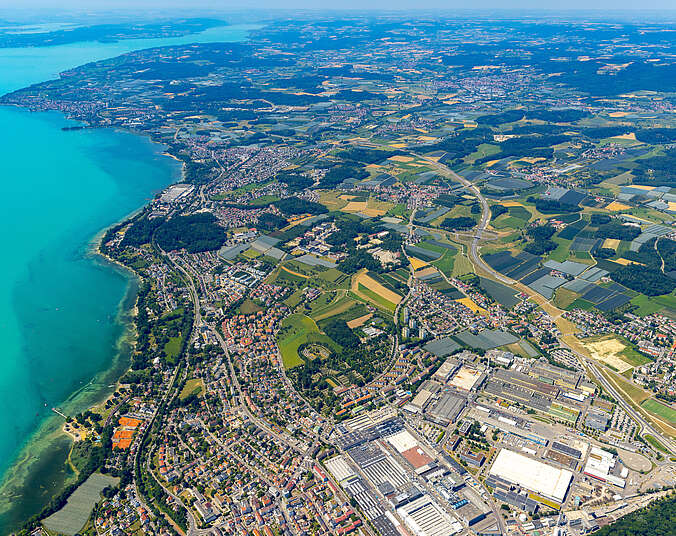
x: 608, y: 351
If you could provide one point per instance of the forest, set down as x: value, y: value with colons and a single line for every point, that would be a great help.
x: 541, y: 243
x: 617, y: 231
x: 195, y: 233
x: 338, y: 173
x: 658, y: 519
x: 656, y: 170
x: 356, y: 260
x: 292, y: 206
x: 644, y: 279
x: 461, y: 223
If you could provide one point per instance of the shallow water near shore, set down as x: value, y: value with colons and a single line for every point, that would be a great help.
x: 64, y: 312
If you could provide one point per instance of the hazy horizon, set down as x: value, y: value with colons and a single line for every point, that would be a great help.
x: 352, y: 5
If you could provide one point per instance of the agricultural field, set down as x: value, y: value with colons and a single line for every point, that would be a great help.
x: 564, y: 298
x: 366, y: 286
x: 517, y: 217
x: 370, y: 207
x: 332, y: 200
x: 462, y: 265
x: 73, y: 516
x: 334, y: 304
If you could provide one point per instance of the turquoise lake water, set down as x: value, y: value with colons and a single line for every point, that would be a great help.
x: 63, y: 311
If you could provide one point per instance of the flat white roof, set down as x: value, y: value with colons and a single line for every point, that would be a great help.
x: 531, y: 474
x: 339, y: 468
x: 425, y: 518
x: 402, y: 441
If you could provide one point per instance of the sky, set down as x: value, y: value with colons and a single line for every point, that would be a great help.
x: 343, y: 4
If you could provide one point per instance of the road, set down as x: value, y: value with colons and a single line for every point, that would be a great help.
x: 483, y: 223
x: 244, y: 406
x: 476, y: 259
x: 646, y: 426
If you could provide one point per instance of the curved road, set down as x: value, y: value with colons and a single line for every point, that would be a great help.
x: 646, y: 427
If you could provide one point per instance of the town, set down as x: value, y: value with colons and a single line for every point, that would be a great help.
x: 407, y: 285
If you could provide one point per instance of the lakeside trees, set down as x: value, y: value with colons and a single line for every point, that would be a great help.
x: 195, y: 233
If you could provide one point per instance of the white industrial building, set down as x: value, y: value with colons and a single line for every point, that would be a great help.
x: 176, y: 192
x: 546, y: 480
x: 600, y: 465
x: 339, y: 468
x: 424, y: 517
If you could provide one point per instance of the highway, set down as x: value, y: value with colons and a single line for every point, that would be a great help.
x: 476, y: 259
x: 609, y: 388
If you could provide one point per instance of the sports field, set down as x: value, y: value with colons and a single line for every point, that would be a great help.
x: 661, y: 410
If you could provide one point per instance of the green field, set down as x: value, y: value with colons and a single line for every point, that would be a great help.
x: 506, y: 221
x: 648, y: 305
x: 521, y: 213
x: 377, y: 298
x: 192, y: 386
x: 73, y: 516
x: 249, y: 307
x: 173, y: 348
x: 398, y: 211
x: 562, y: 250
x: 462, y: 265
x: 295, y: 298
x: 251, y: 253
x: 564, y: 298
x: 662, y: 410
x: 331, y: 275
x: 263, y: 200
x: 336, y: 305
x: 631, y: 356
x: 298, y: 329
x: 515, y: 218
x: 485, y: 149
x: 446, y: 262
x: 581, y: 304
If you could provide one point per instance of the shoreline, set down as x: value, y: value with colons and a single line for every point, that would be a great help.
x: 38, y: 468
x: 47, y: 448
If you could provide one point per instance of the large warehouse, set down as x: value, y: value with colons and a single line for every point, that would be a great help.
x: 533, y: 475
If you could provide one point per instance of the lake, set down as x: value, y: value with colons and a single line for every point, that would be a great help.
x: 64, y: 313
